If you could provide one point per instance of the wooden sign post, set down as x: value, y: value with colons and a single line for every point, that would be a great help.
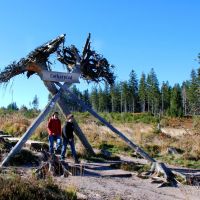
x: 60, y: 76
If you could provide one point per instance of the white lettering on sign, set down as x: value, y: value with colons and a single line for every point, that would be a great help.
x: 60, y: 76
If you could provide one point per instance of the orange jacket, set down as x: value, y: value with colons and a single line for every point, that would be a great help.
x: 54, y: 127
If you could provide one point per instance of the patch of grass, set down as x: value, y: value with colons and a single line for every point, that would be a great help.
x: 30, y: 114
x: 116, y: 117
x: 179, y: 161
x: 131, y: 166
x: 153, y: 150
x: 40, y: 135
x: 99, y: 157
x: 71, y: 192
x: 114, y: 148
x: 31, y: 189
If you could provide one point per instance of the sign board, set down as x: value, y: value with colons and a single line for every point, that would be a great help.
x: 60, y: 76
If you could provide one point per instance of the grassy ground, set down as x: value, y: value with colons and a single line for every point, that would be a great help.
x: 140, y: 128
x: 32, y: 189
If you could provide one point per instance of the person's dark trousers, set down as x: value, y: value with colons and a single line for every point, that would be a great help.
x: 52, y: 139
x: 64, y: 148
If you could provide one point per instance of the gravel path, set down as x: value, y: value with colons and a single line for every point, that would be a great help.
x: 98, y: 188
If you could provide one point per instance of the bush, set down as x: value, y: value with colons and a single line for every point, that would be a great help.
x: 16, y: 188
x: 153, y: 149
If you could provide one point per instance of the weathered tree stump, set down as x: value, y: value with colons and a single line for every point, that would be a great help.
x: 52, y: 167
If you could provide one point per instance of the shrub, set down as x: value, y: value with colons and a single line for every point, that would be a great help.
x: 17, y: 188
x: 153, y: 149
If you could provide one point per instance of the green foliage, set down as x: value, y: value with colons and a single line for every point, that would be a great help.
x: 131, y: 166
x: 142, y: 95
x: 153, y: 150
x: 31, y: 113
x: 40, y: 135
x: 176, y: 102
x: 114, y: 148
x: 117, y: 117
x: 130, y: 117
x: 180, y: 161
x: 12, y: 106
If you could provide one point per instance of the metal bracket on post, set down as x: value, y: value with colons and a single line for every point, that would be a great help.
x: 33, y: 126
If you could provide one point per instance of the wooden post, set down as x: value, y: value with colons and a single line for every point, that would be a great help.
x: 32, y: 128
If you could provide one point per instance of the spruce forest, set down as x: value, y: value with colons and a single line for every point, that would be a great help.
x: 144, y: 95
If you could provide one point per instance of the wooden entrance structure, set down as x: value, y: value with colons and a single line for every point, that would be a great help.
x: 90, y: 66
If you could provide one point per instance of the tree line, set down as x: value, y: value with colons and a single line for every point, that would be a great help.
x: 138, y: 95
x: 143, y: 95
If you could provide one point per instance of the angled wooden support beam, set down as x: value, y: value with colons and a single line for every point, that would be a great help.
x: 32, y: 128
x: 121, y: 135
x: 160, y: 167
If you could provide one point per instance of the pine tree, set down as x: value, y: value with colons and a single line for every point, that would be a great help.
x: 86, y: 97
x: 142, y: 93
x: 115, y: 97
x: 185, y: 100
x: 133, y: 91
x: 12, y: 106
x: 101, y: 100
x: 198, y: 92
x: 124, y: 96
x: 193, y: 93
x: 94, y: 99
x: 165, y: 97
x: 107, y: 98
x: 176, y: 101
x: 153, y: 92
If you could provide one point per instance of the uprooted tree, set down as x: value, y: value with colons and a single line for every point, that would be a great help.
x: 92, y: 67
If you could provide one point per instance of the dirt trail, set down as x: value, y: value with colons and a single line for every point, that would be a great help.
x: 98, y: 188
x: 113, y: 188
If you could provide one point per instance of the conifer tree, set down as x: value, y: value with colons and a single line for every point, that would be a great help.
x: 165, y: 97
x: 142, y: 92
x: 94, y: 99
x: 124, y: 96
x: 115, y: 97
x: 153, y: 93
x: 193, y: 92
x: 185, y: 100
x: 133, y: 91
x: 176, y: 101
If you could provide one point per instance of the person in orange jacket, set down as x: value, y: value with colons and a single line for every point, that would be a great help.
x: 54, y: 130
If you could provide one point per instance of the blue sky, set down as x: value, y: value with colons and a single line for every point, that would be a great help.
x: 131, y: 34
